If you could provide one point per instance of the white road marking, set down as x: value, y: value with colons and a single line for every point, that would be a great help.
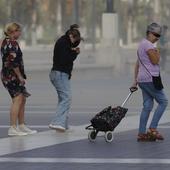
x: 47, y: 112
x: 54, y: 107
x: 48, y: 138
x: 30, y: 126
x: 164, y: 127
x: 46, y: 126
x: 51, y: 137
x: 87, y: 160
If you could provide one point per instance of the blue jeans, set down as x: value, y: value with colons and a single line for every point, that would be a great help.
x: 61, y: 82
x: 149, y: 93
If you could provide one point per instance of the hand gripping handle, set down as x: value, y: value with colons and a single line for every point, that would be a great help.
x: 132, y: 89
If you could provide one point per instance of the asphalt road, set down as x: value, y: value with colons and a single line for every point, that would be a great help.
x: 91, y: 91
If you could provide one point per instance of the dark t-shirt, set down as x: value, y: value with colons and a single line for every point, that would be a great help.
x: 9, y: 62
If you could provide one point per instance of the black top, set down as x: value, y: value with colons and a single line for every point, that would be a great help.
x: 63, y: 55
x: 9, y: 62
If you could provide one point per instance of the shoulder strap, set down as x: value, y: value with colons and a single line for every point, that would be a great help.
x: 143, y: 64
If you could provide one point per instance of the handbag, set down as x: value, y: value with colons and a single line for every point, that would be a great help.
x: 157, y: 81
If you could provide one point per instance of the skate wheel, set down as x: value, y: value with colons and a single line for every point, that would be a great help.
x: 108, y: 136
x: 92, y: 136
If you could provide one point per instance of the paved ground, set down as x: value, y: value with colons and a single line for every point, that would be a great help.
x: 92, y: 91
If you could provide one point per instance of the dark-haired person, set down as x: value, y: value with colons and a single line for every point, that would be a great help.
x: 13, y: 78
x: 75, y: 27
x: 147, y: 65
x: 64, y: 55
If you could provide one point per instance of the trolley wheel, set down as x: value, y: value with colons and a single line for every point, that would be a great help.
x: 108, y: 136
x: 92, y: 135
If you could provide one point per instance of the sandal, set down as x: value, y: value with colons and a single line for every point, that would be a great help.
x: 145, y: 138
x: 154, y: 133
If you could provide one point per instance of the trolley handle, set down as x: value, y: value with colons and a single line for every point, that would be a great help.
x: 132, y: 89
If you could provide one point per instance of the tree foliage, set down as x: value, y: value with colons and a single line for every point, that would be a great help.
x: 33, y: 14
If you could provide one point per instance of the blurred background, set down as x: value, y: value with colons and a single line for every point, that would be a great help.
x: 111, y: 29
x: 103, y: 71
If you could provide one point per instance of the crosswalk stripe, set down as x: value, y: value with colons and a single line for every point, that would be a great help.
x: 13, y: 144
x: 46, y: 126
x: 31, y: 126
x: 46, y: 112
x: 87, y: 160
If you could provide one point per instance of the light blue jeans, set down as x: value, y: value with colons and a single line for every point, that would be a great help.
x: 150, y: 94
x: 61, y: 82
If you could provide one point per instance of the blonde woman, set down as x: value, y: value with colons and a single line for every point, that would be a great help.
x: 13, y: 78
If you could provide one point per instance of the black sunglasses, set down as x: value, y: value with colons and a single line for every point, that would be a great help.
x: 156, y: 35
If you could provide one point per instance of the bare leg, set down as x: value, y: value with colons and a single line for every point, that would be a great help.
x: 15, y: 109
x: 21, y: 118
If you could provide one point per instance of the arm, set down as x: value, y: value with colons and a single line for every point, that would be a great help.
x: 11, y: 51
x: 16, y: 68
x: 76, y: 49
x: 18, y: 73
x: 136, y: 73
x: 68, y: 54
x: 154, y: 56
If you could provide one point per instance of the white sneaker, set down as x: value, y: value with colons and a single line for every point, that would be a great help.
x: 13, y: 131
x: 27, y: 130
x: 57, y: 127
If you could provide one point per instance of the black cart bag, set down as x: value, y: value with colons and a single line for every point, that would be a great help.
x: 109, y: 118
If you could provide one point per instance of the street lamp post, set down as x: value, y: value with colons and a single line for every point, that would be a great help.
x: 110, y: 37
x: 93, y: 25
x: 76, y: 12
x: 110, y: 4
